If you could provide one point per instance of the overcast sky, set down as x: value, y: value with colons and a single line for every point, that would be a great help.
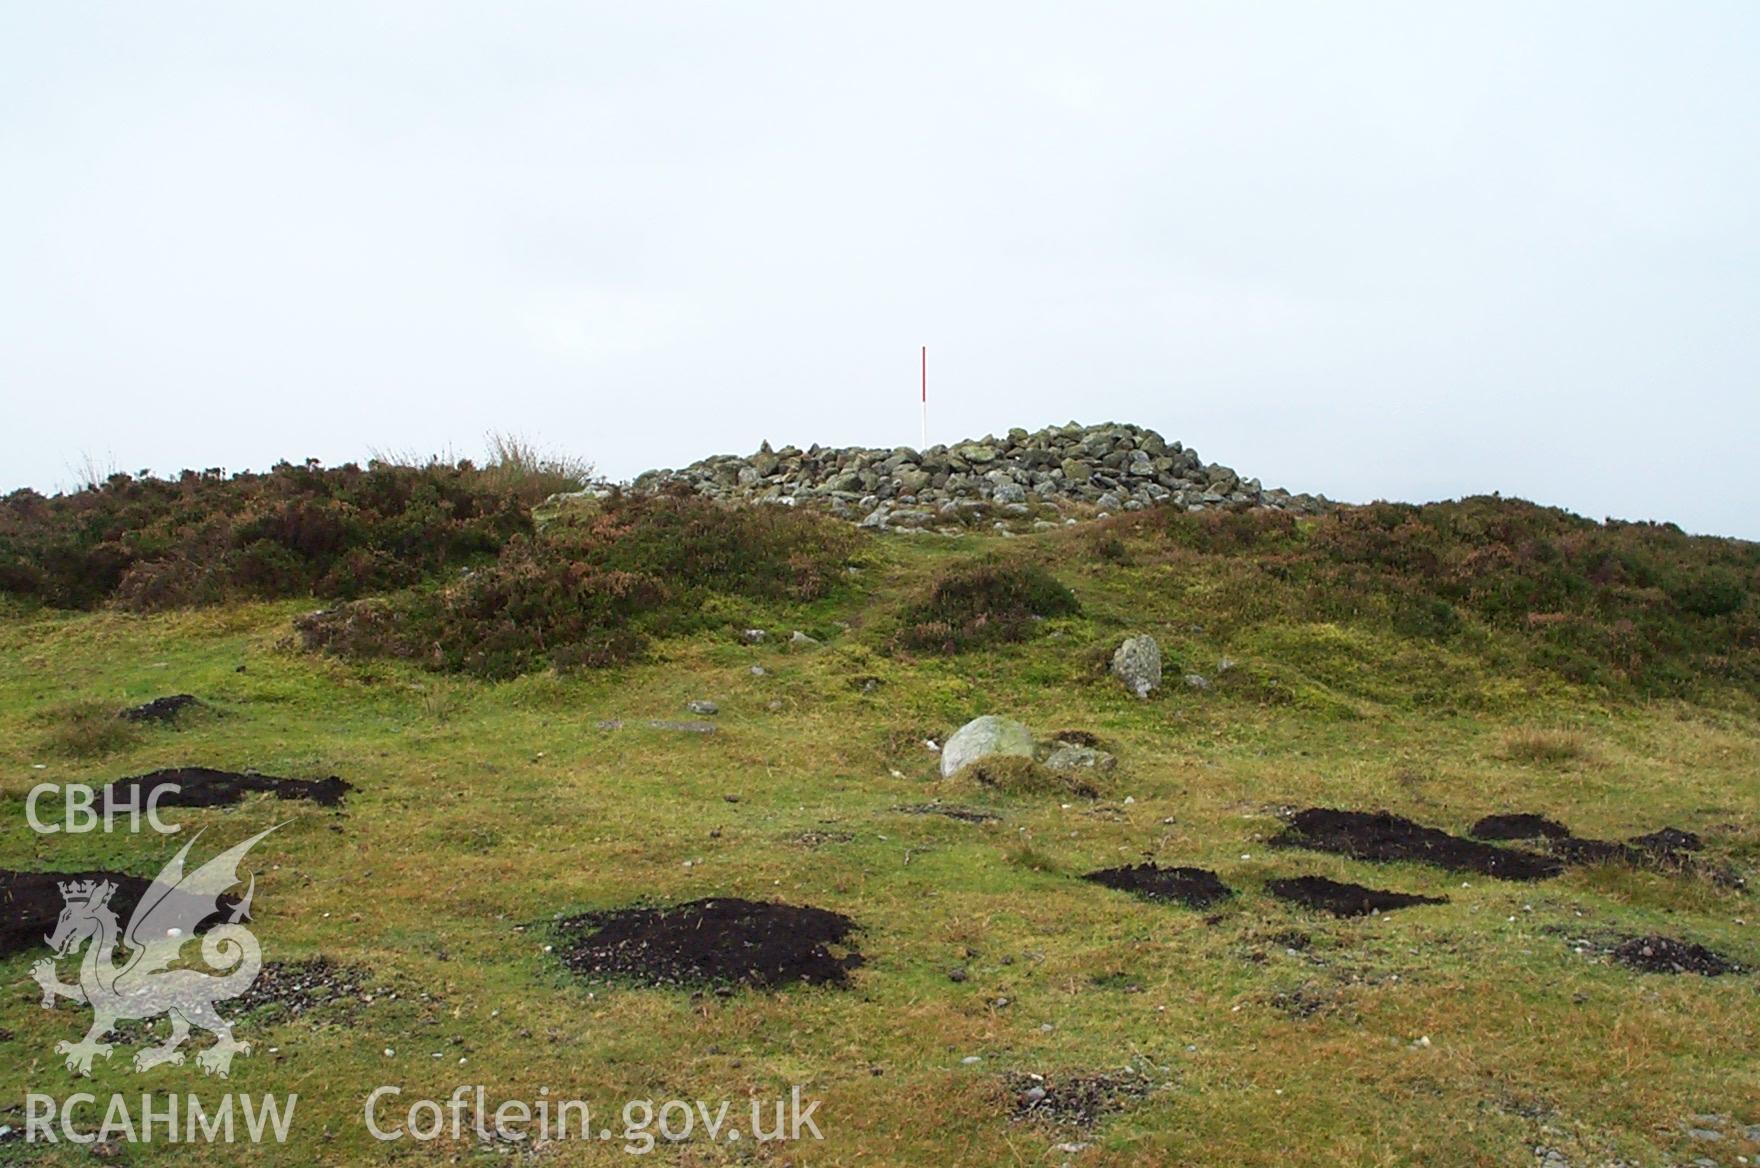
x: 1394, y: 250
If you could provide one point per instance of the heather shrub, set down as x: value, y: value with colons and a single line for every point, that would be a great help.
x: 593, y: 594
x: 202, y: 538
x: 982, y: 602
x: 1640, y: 603
x: 1217, y: 531
x: 1626, y: 604
x: 773, y: 552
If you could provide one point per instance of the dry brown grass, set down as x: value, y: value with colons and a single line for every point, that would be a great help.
x: 512, y: 463
x: 86, y: 729
x: 1012, y: 775
x: 1538, y: 747
x: 531, y: 474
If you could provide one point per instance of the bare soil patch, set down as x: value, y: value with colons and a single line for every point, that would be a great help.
x: 818, y: 839
x: 1381, y: 835
x: 1299, y: 1003
x: 207, y: 787
x: 1577, y: 852
x: 1667, y: 849
x: 1518, y: 825
x: 1664, y: 850
x: 291, y: 988
x: 1668, y: 839
x: 1192, y: 887
x: 165, y: 709
x: 30, y: 903
x: 1659, y: 954
x: 951, y: 811
x: 1344, y: 900
x: 1521, y: 825
x: 1074, y: 1100
x: 722, y: 941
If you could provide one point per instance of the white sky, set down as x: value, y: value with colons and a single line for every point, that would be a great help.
x: 1377, y: 250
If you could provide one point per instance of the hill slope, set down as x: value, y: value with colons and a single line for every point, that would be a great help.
x: 1443, y: 663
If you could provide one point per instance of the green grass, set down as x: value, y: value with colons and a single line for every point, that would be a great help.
x: 84, y: 730
x: 484, y: 809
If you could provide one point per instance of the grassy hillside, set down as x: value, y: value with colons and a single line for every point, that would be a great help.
x: 1442, y: 663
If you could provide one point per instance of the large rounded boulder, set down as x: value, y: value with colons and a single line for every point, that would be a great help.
x: 985, y: 737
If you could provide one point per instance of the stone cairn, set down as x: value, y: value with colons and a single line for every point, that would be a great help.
x: 1061, y: 472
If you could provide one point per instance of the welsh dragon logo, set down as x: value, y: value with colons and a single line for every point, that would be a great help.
x: 142, y: 986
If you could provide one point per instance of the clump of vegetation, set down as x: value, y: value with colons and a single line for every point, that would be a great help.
x: 982, y: 602
x: 1106, y: 546
x: 764, y: 552
x: 1614, y: 603
x: 86, y: 729
x: 1217, y: 531
x: 529, y: 474
x: 1025, y: 856
x: 595, y: 593
x: 1543, y: 746
x: 149, y: 543
x: 1014, y: 775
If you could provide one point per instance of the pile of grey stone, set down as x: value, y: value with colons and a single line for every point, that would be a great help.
x: 1017, y: 477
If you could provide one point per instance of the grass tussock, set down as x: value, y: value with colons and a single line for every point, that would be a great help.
x: 1538, y: 747
x: 979, y: 603
x: 1028, y: 858
x: 1013, y: 775
x: 441, y: 703
x: 518, y: 467
x: 85, y: 730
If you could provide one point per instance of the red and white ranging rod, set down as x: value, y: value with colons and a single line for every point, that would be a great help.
x: 925, y: 397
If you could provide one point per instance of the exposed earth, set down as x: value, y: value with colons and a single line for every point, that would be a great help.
x: 291, y: 988
x: 206, y: 787
x: 1074, y: 1100
x: 1383, y: 836
x: 1658, y: 954
x: 721, y: 941
x: 1519, y: 825
x: 30, y: 903
x: 1192, y: 887
x: 1342, y: 899
x: 1667, y: 849
x: 165, y: 709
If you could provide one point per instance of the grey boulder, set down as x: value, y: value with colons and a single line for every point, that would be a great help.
x: 985, y: 737
x: 1137, y: 663
x: 1071, y: 756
